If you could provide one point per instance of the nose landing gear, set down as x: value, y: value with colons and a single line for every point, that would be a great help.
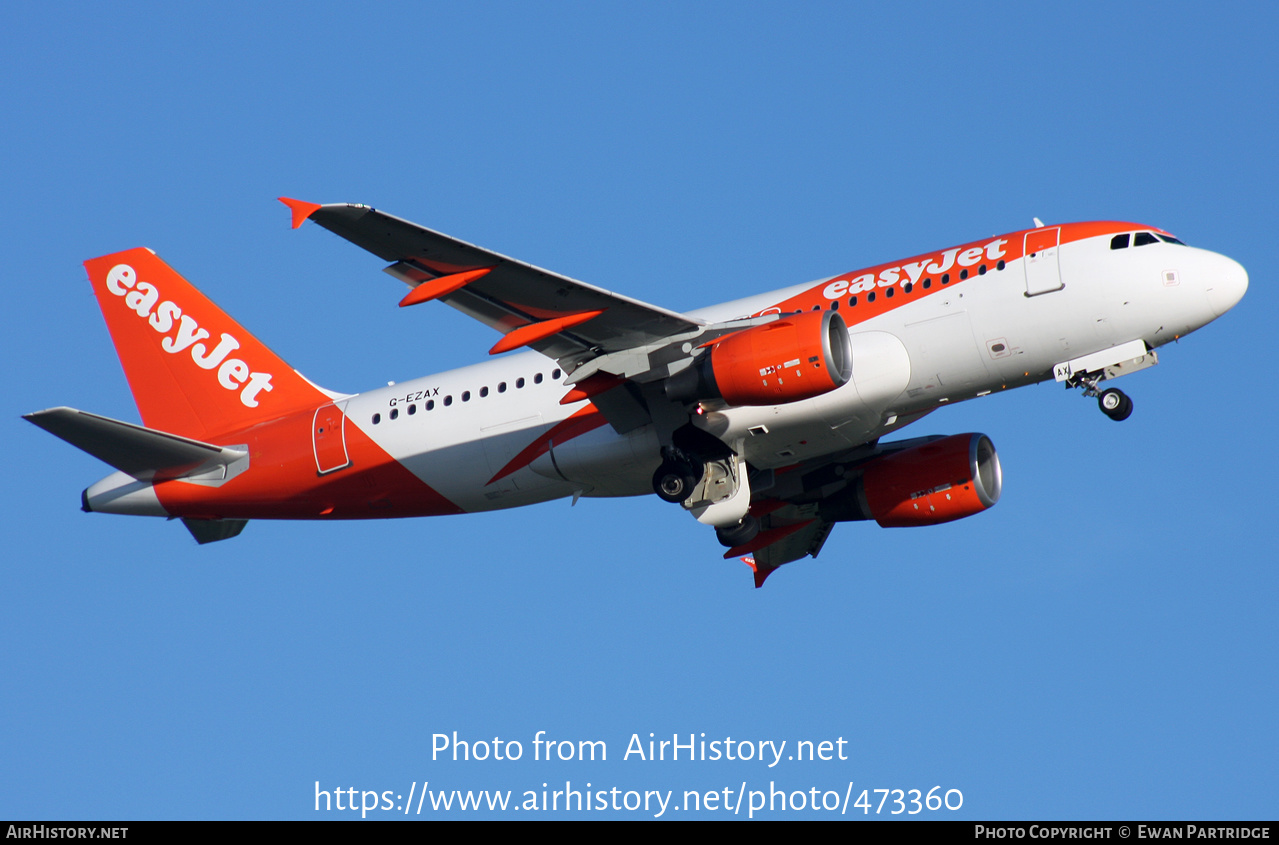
x: 1088, y: 371
x: 1112, y: 401
x: 1115, y: 404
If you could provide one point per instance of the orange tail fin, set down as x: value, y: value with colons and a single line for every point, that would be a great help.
x: 193, y: 370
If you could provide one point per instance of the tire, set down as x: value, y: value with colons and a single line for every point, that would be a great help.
x: 739, y: 534
x: 674, y: 482
x: 1115, y: 404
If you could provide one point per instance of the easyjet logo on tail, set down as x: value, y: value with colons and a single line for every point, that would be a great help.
x: 165, y: 316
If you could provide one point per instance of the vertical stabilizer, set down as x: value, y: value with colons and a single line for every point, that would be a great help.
x: 193, y: 370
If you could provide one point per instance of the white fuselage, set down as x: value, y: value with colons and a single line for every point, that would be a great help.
x: 1001, y: 329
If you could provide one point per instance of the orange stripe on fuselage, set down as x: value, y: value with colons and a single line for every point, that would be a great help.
x: 582, y: 421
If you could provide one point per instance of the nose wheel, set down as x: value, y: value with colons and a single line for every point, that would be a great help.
x: 1115, y: 404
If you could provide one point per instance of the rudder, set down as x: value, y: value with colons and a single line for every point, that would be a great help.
x: 193, y: 370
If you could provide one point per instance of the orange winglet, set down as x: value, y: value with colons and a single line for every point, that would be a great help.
x: 301, y: 210
x: 761, y: 575
x: 534, y: 332
x: 591, y: 386
x: 765, y: 538
x: 443, y: 286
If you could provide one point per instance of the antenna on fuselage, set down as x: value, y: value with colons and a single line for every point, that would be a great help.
x: 1039, y: 224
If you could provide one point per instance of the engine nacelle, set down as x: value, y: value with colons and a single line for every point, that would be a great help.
x: 937, y: 482
x: 797, y: 357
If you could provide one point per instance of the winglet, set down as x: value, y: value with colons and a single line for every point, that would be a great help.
x: 761, y: 575
x: 301, y: 210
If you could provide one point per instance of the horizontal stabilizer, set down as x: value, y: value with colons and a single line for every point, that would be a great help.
x: 140, y: 452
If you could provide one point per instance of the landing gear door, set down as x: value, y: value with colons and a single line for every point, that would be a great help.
x: 1043, y: 271
x: 328, y: 438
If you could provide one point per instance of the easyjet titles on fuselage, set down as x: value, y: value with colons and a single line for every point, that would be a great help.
x: 915, y: 270
x: 142, y: 298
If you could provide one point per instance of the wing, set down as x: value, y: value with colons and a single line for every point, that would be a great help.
x: 565, y: 319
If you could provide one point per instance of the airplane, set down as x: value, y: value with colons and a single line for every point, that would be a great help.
x: 763, y: 418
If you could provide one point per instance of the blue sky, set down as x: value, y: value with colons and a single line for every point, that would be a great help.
x: 1100, y: 645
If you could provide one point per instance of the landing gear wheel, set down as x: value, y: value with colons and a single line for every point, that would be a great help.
x: 1115, y: 404
x: 674, y: 482
x: 739, y: 534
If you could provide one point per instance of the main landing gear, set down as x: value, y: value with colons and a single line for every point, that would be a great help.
x: 675, y: 479
x: 710, y: 481
x: 739, y: 534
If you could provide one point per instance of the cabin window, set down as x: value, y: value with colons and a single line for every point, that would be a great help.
x: 484, y: 391
x: 377, y: 418
x: 1001, y: 265
x: 412, y: 410
x: 395, y: 413
x: 466, y: 396
x: 430, y: 404
x: 519, y: 382
x: 448, y: 400
x: 555, y: 374
x: 501, y: 387
x: 537, y: 378
x: 870, y: 297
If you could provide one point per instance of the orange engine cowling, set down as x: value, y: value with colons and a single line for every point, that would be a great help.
x: 940, y: 481
x: 797, y: 357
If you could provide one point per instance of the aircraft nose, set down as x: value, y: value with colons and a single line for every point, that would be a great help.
x: 1227, y: 286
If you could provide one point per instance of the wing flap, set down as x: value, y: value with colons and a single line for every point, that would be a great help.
x: 787, y: 533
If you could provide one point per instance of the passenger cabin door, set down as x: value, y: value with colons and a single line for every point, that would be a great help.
x: 1043, y: 270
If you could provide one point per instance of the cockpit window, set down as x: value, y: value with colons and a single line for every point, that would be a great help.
x: 1119, y: 241
x: 1143, y: 239
x: 1171, y: 240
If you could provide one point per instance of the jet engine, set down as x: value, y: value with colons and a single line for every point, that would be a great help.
x: 940, y: 481
x: 797, y: 357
